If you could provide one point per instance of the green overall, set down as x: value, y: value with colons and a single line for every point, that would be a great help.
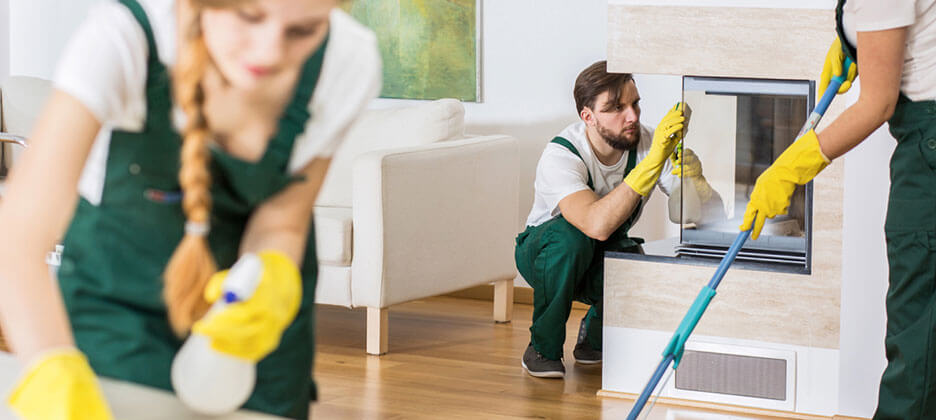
x: 908, y: 385
x: 563, y: 264
x: 115, y: 252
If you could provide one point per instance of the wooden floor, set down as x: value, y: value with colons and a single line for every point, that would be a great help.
x: 449, y: 360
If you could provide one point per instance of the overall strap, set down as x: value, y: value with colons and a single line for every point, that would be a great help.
x: 158, y: 93
x: 631, y: 161
x: 849, y: 50
x: 568, y: 145
x: 296, y: 114
x: 140, y: 15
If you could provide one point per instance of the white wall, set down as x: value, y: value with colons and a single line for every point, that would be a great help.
x: 4, y: 39
x: 39, y: 30
x: 864, y: 272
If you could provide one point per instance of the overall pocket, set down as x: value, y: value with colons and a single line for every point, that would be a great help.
x: 928, y: 152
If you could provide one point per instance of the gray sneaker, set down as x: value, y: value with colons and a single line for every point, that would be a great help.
x: 539, y: 366
x: 584, y: 353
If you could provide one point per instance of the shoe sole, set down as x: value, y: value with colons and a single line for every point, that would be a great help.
x: 588, y: 362
x: 549, y: 374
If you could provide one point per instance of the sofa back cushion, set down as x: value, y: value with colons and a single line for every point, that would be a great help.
x: 377, y: 129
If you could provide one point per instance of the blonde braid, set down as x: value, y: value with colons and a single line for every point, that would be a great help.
x: 192, y: 263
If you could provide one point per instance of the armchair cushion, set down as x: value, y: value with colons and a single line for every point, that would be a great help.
x: 390, y: 128
x: 333, y: 235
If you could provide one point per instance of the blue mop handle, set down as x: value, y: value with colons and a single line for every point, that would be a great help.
x: 826, y: 99
x: 674, y: 350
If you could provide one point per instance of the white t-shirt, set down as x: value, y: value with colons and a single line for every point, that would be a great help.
x: 104, y: 67
x: 560, y: 172
x: 919, y: 72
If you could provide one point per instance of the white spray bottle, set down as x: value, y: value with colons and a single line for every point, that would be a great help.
x: 207, y: 381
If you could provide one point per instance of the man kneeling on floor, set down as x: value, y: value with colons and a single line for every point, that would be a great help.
x: 591, y: 182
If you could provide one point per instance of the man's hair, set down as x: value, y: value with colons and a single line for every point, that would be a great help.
x: 595, y: 80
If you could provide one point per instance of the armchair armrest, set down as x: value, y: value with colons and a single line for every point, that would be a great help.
x: 433, y: 219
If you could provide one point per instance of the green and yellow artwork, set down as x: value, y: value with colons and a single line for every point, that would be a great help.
x: 429, y: 47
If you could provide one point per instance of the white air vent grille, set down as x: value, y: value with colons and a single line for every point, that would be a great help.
x: 746, y: 376
x: 718, y: 372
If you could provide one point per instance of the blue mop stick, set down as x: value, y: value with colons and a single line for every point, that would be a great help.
x: 674, y: 350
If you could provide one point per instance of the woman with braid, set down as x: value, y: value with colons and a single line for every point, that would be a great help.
x: 181, y: 136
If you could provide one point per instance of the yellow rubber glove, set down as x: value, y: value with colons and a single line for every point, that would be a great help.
x: 665, y: 138
x: 59, y: 385
x: 687, y: 165
x: 832, y: 67
x: 251, y: 329
x: 797, y: 165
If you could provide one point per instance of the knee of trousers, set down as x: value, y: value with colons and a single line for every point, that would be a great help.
x: 568, y: 243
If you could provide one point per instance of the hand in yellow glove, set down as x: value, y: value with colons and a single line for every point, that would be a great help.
x: 665, y: 138
x: 797, y: 165
x: 687, y: 165
x: 59, y: 385
x: 251, y: 329
x: 834, y: 62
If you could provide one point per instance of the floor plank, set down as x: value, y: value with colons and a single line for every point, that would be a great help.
x: 449, y: 360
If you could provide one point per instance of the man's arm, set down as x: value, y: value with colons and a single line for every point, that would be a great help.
x: 598, y: 217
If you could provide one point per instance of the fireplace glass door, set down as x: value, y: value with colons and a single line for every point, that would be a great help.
x: 737, y: 128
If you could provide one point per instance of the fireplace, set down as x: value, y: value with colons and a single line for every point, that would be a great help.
x: 738, y: 127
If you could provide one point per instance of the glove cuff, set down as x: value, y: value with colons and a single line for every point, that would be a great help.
x: 278, y: 260
x: 804, y: 158
x: 644, y: 176
x: 64, y: 352
x: 55, y: 377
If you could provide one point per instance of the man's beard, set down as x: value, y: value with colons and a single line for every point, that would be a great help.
x: 620, y: 141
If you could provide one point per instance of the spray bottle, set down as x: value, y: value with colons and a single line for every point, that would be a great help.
x: 683, y: 204
x: 207, y: 381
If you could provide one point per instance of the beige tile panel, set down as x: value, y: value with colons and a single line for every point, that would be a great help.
x: 719, y: 41
x: 772, y: 307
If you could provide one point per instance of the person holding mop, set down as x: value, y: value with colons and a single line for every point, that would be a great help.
x: 894, y: 46
x: 200, y: 131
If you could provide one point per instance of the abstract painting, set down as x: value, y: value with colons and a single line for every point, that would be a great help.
x: 429, y: 47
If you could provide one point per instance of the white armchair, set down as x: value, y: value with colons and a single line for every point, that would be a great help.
x: 411, y: 208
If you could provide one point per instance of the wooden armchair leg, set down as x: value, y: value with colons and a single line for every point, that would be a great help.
x: 503, y: 300
x: 377, y: 327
